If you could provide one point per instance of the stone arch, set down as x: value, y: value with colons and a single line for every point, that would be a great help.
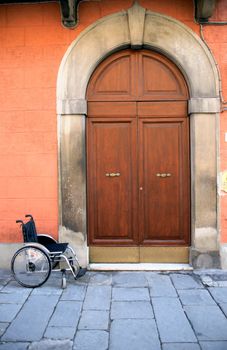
x: 137, y: 28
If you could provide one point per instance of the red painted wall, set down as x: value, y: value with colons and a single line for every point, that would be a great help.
x: 32, y: 44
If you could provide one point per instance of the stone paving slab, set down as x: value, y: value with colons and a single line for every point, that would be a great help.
x: 8, y: 312
x: 12, y: 298
x: 131, y: 309
x: 47, y: 290
x: 97, y: 298
x: 14, y: 346
x: 74, y: 293
x: 130, y: 294
x: 127, y: 279
x: 134, y: 335
x: 3, y: 326
x: 91, y: 340
x: 94, y: 319
x: 195, y: 297
x: 219, y: 294
x: 208, y: 322
x: 219, y: 345
x: 172, y: 322
x: 14, y: 287
x: 185, y: 281
x: 5, y: 278
x: 161, y: 286
x: 60, y: 333
x: 66, y: 314
x: 4, y: 274
x: 3, y: 282
x: 49, y: 344
x: 101, y: 279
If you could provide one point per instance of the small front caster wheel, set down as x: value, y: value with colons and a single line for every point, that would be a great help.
x: 63, y: 283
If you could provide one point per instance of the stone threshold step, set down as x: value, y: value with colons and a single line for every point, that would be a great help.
x: 139, y: 267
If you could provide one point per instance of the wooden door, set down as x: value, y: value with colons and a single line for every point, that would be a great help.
x: 163, y: 175
x: 138, y: 153
x: 112, y: 174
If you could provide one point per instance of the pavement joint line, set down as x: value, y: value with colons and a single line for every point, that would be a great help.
x: 189, y: 321
x: 218, y: 304
x: 155, y: 320
x: 110, y: 321
x: 47, y: 325
x: 81, y: 311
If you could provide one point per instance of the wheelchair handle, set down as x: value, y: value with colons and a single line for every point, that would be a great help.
x: 19, y: 222
x: 29, y: 216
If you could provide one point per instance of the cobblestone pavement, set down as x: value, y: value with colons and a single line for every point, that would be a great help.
x: 116, y: 311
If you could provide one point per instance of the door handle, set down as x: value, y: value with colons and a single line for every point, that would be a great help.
x: 163, y: 174
x: 113, y: 174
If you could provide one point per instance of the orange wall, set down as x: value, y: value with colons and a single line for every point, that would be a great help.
x: 217, y: 40
x: 32, y: 44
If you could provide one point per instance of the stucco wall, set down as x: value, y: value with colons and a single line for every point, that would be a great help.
x: 32, y: 43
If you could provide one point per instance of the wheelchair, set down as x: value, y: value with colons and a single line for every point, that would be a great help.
x: 32, y: 264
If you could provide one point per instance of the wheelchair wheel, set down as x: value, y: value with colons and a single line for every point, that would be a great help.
x: 70, y: 254
x: 63, y: 282
x: 31, y: 266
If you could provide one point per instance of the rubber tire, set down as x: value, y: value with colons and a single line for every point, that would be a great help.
x: 63, y: 283
x: 13, y: 261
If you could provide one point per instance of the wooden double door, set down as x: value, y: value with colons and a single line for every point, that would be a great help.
x: 138, y: 153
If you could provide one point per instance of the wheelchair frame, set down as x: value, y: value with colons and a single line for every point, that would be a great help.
x: 33, y: 263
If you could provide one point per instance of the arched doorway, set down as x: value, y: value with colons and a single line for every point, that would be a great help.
x: 138, y: 173
x: 179, y: 43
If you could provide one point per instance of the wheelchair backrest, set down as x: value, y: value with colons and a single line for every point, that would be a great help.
x: 29, y: 231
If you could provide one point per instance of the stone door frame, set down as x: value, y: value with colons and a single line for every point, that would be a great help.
x: 139, y: 28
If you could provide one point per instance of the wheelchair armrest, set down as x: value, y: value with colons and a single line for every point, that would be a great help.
x: 45, y: 239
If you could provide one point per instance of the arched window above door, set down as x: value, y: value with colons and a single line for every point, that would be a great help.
x: 137, y: 75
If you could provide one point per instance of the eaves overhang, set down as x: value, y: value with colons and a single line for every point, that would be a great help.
x: 69, y: 9
x: 204, y: 9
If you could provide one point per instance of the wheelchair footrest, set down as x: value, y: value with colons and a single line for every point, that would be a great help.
x: 81, y: 272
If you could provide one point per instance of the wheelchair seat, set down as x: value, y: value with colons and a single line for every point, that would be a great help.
x: 57, y: 247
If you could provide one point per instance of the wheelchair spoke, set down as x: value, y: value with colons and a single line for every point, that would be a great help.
x: 31, y: 266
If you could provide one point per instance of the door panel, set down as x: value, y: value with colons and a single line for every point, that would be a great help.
x: 114, y: 78
x: 163, y: 197
x: 162, y: 109
x: 112, y: 110
x: 159, y: 78
x: 112, y: 183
